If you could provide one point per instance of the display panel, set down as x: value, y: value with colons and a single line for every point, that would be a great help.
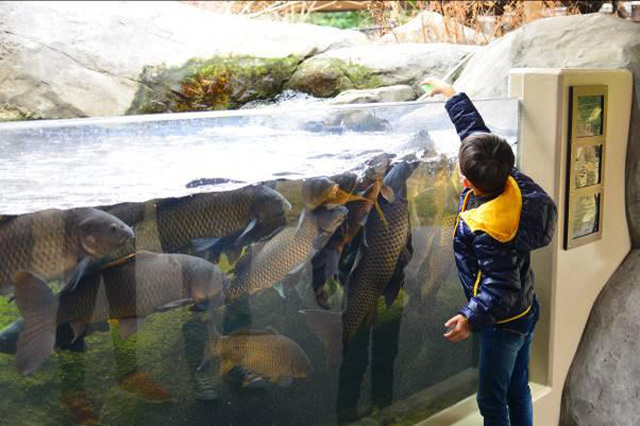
x: 589, y: 120
x: 587, y: 166
x: 586, y: 157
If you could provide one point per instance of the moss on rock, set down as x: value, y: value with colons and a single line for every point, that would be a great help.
x: 213, y: 84
x: 326, y: 77
x: 10, y: 112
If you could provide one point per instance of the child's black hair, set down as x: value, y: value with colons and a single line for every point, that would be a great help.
x: 486, y: 161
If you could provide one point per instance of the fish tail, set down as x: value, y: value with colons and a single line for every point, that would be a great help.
x: 39, y: 307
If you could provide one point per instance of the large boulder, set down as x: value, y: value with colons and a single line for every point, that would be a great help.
x: 372, y: 66
x: 74, y: 59
x: 580, y: 41
x: 602, y: 386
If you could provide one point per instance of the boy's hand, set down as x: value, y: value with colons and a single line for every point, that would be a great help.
x: 460, y: 328
x: 439, y: 87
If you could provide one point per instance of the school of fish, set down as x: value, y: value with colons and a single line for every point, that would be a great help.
x: 353, y: 228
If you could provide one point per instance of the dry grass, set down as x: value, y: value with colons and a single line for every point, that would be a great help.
x: 485, y: 19
x: 492, y: 19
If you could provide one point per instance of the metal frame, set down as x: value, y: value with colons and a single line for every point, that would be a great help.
x: 576, y: 142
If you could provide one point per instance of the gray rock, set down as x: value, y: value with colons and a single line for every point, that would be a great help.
x: 580, y: 41
x: 602, y: 386
x: 372, y: 66
x: 397, y: 93
x: 60, y: 59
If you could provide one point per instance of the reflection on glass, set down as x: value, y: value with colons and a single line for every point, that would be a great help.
x: 585, y: 215
x: 587, y: 166
x: 589, y: 116
x: 262, y: 217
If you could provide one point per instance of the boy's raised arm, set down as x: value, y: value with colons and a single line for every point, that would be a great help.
x: 463, y: 114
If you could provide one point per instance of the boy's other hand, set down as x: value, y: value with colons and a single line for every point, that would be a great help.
x: 459, y: 328
x: 439, y: 87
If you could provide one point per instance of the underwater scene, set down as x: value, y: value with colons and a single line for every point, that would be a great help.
x: 277, y: 266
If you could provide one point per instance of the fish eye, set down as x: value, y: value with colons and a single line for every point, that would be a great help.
x: 113, y: 228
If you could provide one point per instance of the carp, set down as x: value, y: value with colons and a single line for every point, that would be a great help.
x: 266, y: 264
x: 266, y: 353
x: 208, y: 221
x: 382, y: 253
x: 325, y: 263
x: 128, y: 291
x: 57, y: 244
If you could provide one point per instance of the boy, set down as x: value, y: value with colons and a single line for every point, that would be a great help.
x: 503, y: 215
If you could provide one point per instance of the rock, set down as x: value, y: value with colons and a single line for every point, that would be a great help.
x: 372, y: 66
x: 579, y: 41
x: 430, y: 27
x: 217, y: 83
x: 60, y: 59
x: 397, y: 93
x: 602, y: 384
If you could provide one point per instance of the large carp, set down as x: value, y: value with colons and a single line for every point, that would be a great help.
x: 209, y: 221
x: 128, y: 291
x: 57, y: 244
x: 266, y: 264
x: 381, y: 254
x: 325, y: 263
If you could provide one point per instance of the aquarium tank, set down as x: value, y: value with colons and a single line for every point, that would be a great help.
x: 284, y: 265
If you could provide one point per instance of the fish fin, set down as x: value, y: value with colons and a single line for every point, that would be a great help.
x: 247, y: 332
x: 363, y: 238
x: 280, y: 290
x: 318, y: 243
x: 78, y: 328
x: 383, y: 219
x: 204, y: 244
x: 388, y: 194
x: 270, y: 330
x: 78, y: 271
x: 126, y: 259
x: 343, y: 197
x: 241, y: 332
x: 39, y: 307
x: 303, y: 215
x: 174, y: 304
x: 225, y: 367
x: 285, y: 381
x: 245, y: 236
x: 327, y: 326
x: 129, y: 326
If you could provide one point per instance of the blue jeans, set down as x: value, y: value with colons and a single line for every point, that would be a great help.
x: 504, y: 397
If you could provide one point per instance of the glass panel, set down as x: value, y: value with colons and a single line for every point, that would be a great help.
x: 589, y: 116
x: 587, y: 166
x: 231, y: 212
x: 585, y: 215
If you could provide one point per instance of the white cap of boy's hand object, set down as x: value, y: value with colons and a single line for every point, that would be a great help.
x: 435, y: 86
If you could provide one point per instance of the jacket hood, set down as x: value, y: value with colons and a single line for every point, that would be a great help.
x: 523, y: 214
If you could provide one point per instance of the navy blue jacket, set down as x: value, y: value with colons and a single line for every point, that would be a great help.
x: 492, y: 242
